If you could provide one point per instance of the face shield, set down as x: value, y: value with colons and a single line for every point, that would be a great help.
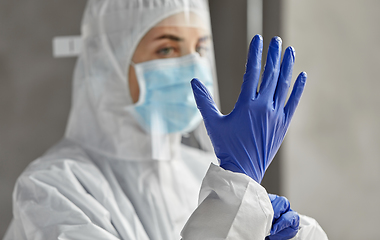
x: 132, y: 93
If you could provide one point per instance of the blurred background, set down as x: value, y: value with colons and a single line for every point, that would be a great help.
x: 328, y: 166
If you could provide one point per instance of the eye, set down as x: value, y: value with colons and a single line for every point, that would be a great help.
x: 202, y: 50
x: 166, y: 52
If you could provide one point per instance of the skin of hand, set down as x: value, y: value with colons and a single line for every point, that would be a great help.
x: 247, y: 139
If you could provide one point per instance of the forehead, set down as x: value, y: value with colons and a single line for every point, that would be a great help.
x: 185, y: 19
x: 185, y: 33
x: 186, y: 25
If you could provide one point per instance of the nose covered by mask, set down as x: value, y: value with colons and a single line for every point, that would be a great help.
x: 166, y: 103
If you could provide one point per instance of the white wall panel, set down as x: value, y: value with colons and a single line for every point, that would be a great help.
x: 332, y: 167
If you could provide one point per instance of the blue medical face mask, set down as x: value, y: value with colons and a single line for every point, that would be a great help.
x: 166, y: 103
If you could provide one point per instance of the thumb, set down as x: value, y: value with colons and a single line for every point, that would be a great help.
x: 205, y: 103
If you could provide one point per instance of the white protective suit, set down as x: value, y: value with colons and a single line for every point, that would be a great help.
x: 109, y: 179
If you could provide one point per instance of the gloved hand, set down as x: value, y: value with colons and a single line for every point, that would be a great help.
x: 247, y: 139
x: 285, y: 221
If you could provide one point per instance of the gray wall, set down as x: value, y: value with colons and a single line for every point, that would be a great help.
x: 332, y: 167
x: 35, y: 89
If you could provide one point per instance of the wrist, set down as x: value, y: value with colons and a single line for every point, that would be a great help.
x: 231, y: 166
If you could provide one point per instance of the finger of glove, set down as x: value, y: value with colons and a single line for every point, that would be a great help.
x: 287, y: 233
x: 252, y: 70
x: 205, y: 102
x: 272, y: 69
x: 285, y: 78
x: 295, y: 96
x: 272, y: 197
x: 280, y: 206
x: 289, y: 220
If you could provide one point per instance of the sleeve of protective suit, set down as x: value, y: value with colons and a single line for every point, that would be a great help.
x: 310, y: 230
x: 233, y: 206
x: 52, y: 200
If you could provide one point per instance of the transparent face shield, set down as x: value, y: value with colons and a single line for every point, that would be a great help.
x: 169, y: 55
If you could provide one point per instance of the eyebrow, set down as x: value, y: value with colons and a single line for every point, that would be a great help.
x: 170, y: 37
x: 179, y: 39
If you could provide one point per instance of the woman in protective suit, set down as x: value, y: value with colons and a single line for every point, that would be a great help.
x: 121, y: 171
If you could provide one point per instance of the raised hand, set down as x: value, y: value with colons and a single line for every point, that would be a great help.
x: 247, y: 139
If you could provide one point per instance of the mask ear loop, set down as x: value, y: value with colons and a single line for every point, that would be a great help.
x: 141, y: 84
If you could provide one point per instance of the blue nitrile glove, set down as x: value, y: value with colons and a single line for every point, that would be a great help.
x: 247, y: 139
x: 285, y: 221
